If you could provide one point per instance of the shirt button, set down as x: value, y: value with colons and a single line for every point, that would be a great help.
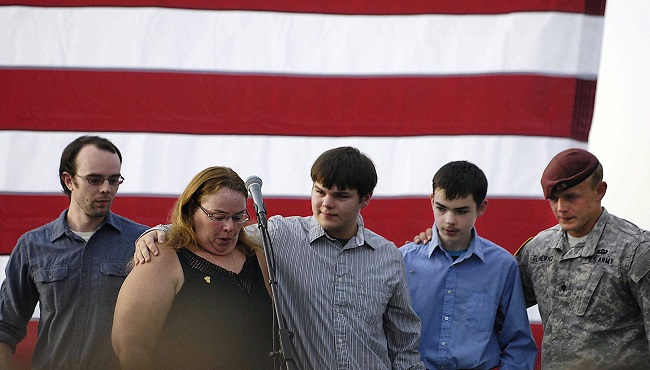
x: 449, y: 292
x: 443, y: 343
x: 446, y: 318
x: 340, y: 279
x: 340, y: 340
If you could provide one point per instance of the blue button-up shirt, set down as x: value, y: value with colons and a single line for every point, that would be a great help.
x: 349, y: 304
x: 472, y: 309
x: 76, y: 283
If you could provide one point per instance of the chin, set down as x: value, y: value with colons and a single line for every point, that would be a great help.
x: 324, y: 219
x: 99, y: 214
x: 568, y: 228
x: 329, y: 225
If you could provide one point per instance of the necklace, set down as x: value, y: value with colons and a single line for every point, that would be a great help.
x: 232, y: 258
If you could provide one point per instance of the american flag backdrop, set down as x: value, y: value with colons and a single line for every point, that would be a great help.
x: 265, y: 87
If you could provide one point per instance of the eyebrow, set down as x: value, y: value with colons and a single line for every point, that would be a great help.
x: 455, y: 209
x: 212, y: 211
x: 338, y: 192
x: 100, y: 175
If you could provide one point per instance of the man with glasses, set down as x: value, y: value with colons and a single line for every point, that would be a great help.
x: 73, y: 267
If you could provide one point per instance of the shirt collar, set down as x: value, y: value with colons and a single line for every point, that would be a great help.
x: 589, y: 247
x: 61, y: 227
x: 475, y: 246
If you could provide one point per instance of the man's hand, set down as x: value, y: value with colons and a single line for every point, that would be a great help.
x: 424, y: 237
x: 147, y: 245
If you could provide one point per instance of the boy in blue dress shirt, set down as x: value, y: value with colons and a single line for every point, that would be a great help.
x: 466, y: 289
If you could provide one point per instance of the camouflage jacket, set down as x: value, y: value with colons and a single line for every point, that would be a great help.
x: 594, y: 298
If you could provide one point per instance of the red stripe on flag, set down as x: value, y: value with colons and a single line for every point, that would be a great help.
x: 508, y: 222
x: 374, y: 7
x: 22, y: 358
x: 538, y: 334
x: 65, y: 100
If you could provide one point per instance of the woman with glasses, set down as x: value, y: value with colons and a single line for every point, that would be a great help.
x: 203, y: 303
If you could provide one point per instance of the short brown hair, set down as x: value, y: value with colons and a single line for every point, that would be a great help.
x: 69, y: 156
x: 345, y: 167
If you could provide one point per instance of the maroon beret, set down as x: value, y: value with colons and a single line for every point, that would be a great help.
x: 567, y: 169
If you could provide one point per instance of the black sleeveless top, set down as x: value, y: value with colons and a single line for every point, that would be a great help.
x: 219, y: 319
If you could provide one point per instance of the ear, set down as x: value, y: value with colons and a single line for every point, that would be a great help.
x: 481, y: 208
x: 67, y: 180
x: 601, y: 189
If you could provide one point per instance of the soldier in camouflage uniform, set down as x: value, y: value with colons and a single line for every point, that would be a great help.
x: 589, y: 274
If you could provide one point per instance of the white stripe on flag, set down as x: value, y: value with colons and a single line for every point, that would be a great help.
x: 296, y: 43
x: 163, y: 164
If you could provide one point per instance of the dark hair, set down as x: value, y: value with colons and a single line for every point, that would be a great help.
x: 459, y: 179
x: 69, y: 156
x: 345, y: 167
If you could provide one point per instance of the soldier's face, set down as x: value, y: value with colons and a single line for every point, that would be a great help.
x: 578, y: 208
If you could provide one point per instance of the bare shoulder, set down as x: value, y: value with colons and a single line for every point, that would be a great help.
x: 163, y: 267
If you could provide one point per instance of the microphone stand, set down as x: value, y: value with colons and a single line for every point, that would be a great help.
x: 282, y: 351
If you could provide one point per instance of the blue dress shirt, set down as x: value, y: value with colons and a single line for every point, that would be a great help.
x: 472, y: 309
x: 76, y: 283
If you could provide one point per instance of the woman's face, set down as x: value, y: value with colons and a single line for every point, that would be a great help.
x: 219, y: 237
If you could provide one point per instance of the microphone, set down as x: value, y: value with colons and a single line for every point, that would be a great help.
x: 283, y: 337
x: 254, y: 186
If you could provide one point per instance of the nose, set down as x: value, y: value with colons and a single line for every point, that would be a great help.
x: 449, y: 218
x: 561, y: 205
x: 105, y: 187
x: 328, y: 201
x: 229, y: 224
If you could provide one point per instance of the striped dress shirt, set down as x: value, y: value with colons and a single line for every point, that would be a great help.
x: 348, y: 305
